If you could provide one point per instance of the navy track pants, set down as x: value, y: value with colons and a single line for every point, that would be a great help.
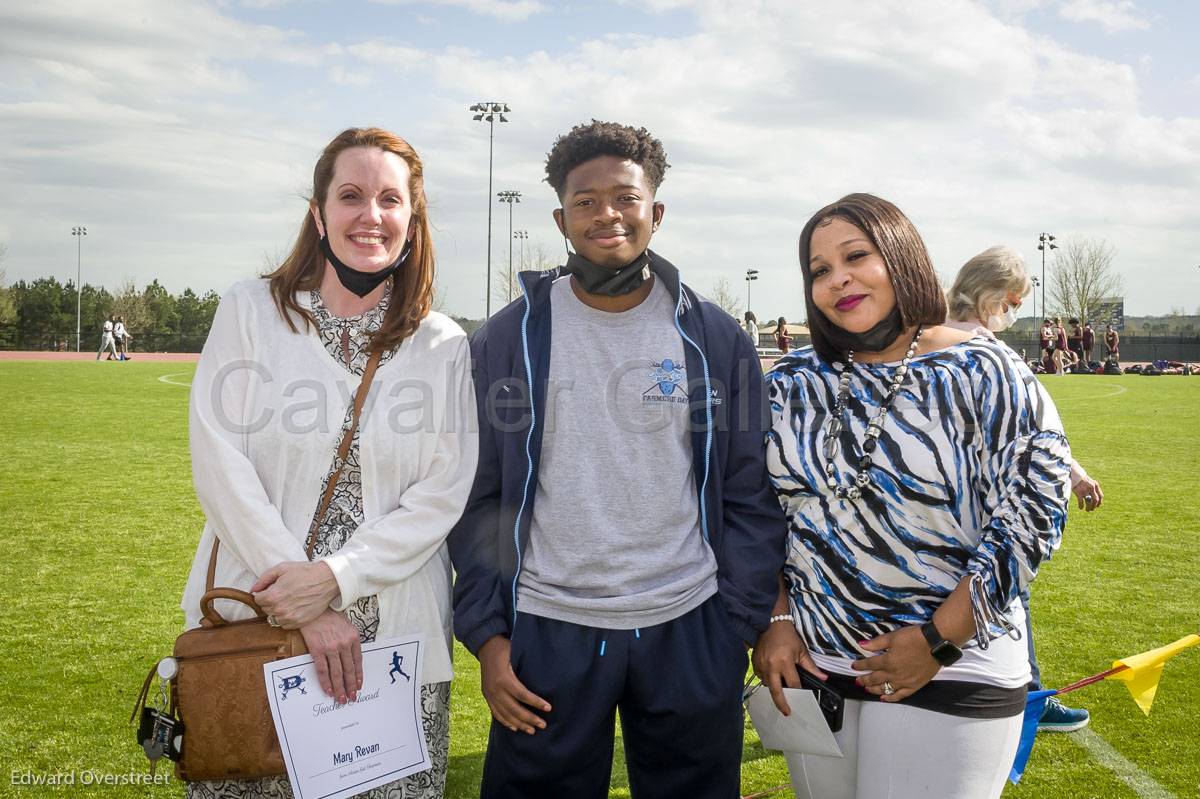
x: 678, y: 686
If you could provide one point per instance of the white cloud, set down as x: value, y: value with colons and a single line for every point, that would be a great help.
x: 1112, y: 15
x: 509, y: 10
x: 659, y: 6
x: 190, y: 160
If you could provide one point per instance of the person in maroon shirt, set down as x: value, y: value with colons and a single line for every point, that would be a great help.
x: 1112, y: 342
x: 1075, y: 339
x: 1060, y: 334
x: 1049, y: 363
x: 782, y: 340
x: 1089, y: 341
x: 1046, y: 337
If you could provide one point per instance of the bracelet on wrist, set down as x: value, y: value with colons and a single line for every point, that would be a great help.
x: 784, y: 617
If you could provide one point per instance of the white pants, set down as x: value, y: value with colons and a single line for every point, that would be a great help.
x: 106, y: 343
x: 901, y: 752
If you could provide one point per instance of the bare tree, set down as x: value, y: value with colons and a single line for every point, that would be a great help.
x: 1083, y: 276
x: 724, y: 296
x: 536, y: 257
x: 131, y: 304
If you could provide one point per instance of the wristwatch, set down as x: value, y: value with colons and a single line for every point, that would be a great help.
x: 943, y: 651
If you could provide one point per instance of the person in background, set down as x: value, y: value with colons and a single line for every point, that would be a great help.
x: 1048, y: 365
x: 354, y: 294
x: 1112, y: 343
x: 1089, y: 342
x: 984, y: 300
x: 121, y: 334
x: 924, y: 481
x: 750, y: 325
x: 782, y: 340
x: 107, y: 342
x: 1046, y: 336
x: 1070, y: 362
x: 1061, y: 342
x: 1075, y: 340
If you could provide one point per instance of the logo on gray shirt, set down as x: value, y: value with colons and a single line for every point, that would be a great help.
x: 668, y: 380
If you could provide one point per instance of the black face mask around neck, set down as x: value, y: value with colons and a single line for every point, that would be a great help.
x: 606, y: 281
x: 878, y: 338
x: 357, y: 281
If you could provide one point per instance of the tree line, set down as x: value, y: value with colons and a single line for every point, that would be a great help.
x: 41, y: 315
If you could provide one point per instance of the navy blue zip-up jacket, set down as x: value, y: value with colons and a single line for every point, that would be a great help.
x: 739, y: 514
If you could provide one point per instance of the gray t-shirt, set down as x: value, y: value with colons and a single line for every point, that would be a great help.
x: 615, y: 539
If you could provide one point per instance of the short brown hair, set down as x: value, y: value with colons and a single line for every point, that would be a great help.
x: 919, y: 297
x: 304, y: 266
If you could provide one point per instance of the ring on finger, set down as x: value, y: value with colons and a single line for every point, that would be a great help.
x: 888, y: 688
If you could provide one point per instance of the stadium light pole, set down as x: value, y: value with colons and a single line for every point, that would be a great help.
x: 1034, y: 280
x: 489, y: 112
x: 523, y: 235
x: 751, y: 275
x: 509, y: 196
x: 78, y: 233
x: 1045, y: 242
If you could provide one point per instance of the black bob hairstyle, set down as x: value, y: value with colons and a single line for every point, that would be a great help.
x: 919, y: 296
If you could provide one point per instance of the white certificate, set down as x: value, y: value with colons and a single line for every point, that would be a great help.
x: 334, y: 751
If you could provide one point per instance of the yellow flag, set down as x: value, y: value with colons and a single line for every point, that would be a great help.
x: 1144, y: 670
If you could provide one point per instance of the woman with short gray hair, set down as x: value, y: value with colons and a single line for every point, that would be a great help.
x: 994, y: 280
x: 984, y: 299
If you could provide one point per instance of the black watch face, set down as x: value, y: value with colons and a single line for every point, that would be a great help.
x: 946, y: 653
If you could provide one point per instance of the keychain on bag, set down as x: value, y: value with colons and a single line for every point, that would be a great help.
x: 160, y: 734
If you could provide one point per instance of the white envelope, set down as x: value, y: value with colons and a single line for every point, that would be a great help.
x: 805, y: 730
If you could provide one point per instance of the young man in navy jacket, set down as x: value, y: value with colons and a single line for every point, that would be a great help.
x: 621, y: 545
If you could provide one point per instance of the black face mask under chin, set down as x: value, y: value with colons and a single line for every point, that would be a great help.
x: 878, y: 338
x: 359, y: 282
x: 606, y: 281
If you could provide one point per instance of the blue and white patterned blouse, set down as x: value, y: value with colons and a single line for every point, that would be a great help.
x: 970, y: 476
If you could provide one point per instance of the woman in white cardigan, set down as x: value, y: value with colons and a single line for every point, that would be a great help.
x: 270, y: 402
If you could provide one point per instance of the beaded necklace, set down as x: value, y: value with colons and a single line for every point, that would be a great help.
x: 833, y: 430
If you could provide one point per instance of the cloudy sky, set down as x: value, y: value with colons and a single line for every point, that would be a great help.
x: 183, y: 134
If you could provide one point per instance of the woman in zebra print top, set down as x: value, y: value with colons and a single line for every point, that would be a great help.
x: 904, y: 591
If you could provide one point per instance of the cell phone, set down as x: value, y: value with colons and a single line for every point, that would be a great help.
x: 828, y: 699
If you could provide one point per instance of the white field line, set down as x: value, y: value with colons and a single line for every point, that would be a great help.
x: 1089, y: 397
x: 1100, y: 750
x: 167, y: 379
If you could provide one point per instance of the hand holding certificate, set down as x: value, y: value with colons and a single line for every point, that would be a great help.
x: 336, y: 751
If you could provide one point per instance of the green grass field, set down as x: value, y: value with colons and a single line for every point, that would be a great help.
x: 98, y: 524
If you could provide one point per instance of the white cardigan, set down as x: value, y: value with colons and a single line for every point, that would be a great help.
x: 267, y: 407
